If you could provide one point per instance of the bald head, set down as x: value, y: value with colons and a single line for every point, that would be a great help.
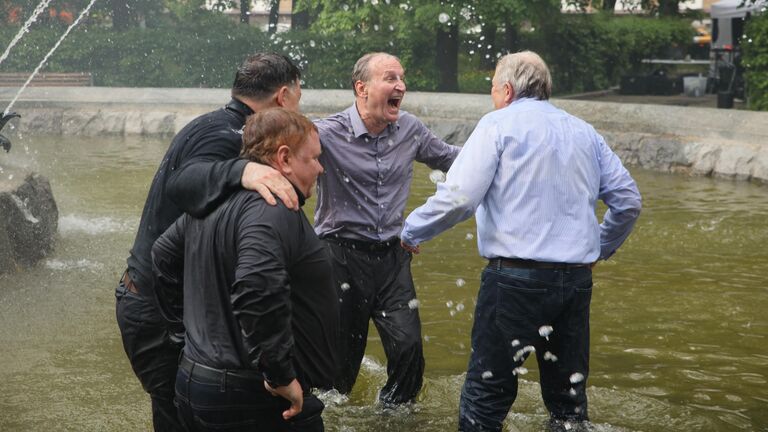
x: 527, y: 73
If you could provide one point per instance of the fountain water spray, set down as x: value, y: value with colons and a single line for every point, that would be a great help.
x: 25, y: 28
x: 45, y: 59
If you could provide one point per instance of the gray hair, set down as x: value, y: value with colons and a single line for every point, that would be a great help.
x: 362, y: 69
x: 527, y: 73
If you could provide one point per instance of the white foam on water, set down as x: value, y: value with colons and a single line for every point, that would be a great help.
x: 91, y: 225
x: 81, y: 264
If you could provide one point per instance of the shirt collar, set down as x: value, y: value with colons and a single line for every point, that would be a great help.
x: 358, y: 127
x: 239, y: 107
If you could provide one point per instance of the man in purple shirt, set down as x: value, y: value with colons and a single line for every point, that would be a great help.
x: 368, y: 155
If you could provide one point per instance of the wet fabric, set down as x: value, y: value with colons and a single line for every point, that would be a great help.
x: 378, y: 285
x: 515, y: 307
x: 367, y: 178
x: 152, y: 354
x: 207, y: 404
x: 256, y: 287
x: 212, y: 139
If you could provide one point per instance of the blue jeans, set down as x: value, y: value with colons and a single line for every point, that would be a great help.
x: 513, y: 306
x: 239, y: 404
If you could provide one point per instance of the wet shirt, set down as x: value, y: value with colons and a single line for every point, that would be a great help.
x: 533, y: 173
x: 367, y: 179
x: 204, y: 151
x: 256, y: 287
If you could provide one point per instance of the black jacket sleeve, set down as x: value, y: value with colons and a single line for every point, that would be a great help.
x: 208, y: 171
x: 261, y: 295
x: 168, y: 266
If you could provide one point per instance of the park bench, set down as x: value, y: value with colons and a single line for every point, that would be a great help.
x: 47, y: 79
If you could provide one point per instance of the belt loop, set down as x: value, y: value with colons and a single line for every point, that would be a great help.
x: 498, y: 264
x: 223, y: 383
x: 191, y: 372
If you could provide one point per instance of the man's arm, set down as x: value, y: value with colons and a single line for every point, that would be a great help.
x: 210, y: 171
x: 261, y: 296
x: 434, y: 152
x: 168, y: 266
x: 458, y: 197
x: 619, y: 192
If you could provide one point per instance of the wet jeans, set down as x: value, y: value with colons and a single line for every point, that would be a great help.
x: 233, y: 402
x: 153, y: 356
x: 377, y: 284
x: 515, y: 307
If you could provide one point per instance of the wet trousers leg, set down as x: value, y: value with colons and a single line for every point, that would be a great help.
x: 378, y: 285
x: 153, y: 356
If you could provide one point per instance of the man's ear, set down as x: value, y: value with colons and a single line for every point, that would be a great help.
x: 283, y: 157
x: 509, y: 93
x: 361, y: 89
x: 280, y: 96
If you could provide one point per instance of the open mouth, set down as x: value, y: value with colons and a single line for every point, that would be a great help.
x: 395, y: 102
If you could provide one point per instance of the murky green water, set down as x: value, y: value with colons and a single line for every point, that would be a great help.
x: 679, y: 328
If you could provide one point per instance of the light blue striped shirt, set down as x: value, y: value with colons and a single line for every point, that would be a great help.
x: 532, y: 174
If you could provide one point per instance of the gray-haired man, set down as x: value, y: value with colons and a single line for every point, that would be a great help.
x: 368, y: 155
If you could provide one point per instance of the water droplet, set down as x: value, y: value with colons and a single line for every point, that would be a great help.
x: 384, y: 314
x: 344, y: 286
x: 576, y: 378
x: 449, y: 304
x: 390, y: 142
x: 312, y: 43
x: 520, y: 370
x: 549, y: 356
x: 487, y: 375
x: 452, y: 313
x: 459, y: 307
x: 426, y: 338
x: 443, y: 18
x: 413, y: 304
x: 437, y: 176
x: 572, y: 392
x: 545, y: 331
x: 515, y: 342
x: 469, y: 236
x: 460, y: 282
x: 346, y: 179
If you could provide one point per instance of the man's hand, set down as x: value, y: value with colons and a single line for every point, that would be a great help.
x: 268, y: 182
x: 293, y: 393
x: 412, y: 249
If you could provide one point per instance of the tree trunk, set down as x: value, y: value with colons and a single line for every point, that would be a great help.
x: 448, y: 58
x: 121, y: 15
x: 511, y: 37
x: 669, y: 7
x: 274, y: 15
x: 299, y: 20
x: 609, y: 5
x: 488, y: 49
x: 245, y: 9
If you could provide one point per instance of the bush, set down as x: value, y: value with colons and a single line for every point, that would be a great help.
x: 755, y: 61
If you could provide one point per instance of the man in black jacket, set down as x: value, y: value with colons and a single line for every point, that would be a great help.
x: 259, y: 307
x: 214, y: 141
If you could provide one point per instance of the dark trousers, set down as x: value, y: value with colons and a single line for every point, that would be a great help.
x: 512, y: 307
x: 378, y: 284
x: 216, y: 400
x: 153, y: 356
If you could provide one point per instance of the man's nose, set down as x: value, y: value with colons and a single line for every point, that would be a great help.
x: 400, y: 85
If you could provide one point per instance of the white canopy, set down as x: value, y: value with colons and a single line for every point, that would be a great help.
x: 732, y: 9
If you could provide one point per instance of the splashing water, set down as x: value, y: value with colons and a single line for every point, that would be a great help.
x: 25, y: 28
x: 545, y: 331
x: 413, y: 304
x: 460, y: 282
x: 576, y: 378
x: 45, y: 59
x: 549, y: 356
x: 344, y: 286
x: 487, y: 375
x: 437, y: 176
x: 520, y: 370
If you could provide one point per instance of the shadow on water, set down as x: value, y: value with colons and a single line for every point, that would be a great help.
x: 678, y: 322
